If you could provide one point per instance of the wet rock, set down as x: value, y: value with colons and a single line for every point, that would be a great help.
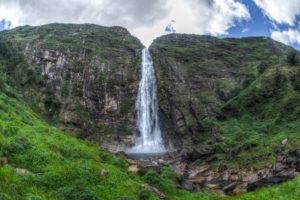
x: 288, y: 174
x: 278, y: 167
x: 280, y: 158
x: 180, y: 168
x: 284, y: 142
x: 196, y: 171
x: 296, y: 153
x: 187, y: 185
x: 270, y: 181
x: 133, y: 168
x: 233, y: 177
x: 22, y: 171
x: 297, y: 165
x: 104, y: 172
x: 213, y: 186
x: 198, y: 153
x: 229, y: 187
x: 198, y: 180
x: 250, y: 178
x: 162, y: 162
x: 225, y: 176
x: 241, y: 188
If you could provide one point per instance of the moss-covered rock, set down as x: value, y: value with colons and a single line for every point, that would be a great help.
x: 83, y: 78
x: 198, y: 75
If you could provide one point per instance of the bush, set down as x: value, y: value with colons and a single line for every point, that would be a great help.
x: 144, y: 194
x: 262, y: 67
x: 18, y: 146
x: 292, y: 58
x: 154, y: 179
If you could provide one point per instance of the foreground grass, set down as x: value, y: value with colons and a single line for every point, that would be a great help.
x: 60, y: 166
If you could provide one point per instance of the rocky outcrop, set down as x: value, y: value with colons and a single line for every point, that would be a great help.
x: 83, y: 78
x: 197, y: 75
x: 200, y: 175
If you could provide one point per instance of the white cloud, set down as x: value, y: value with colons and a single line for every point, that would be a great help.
x: 288, y: 37
x: 280, y: 11
x: 144, y: 18
x: 198, y: 17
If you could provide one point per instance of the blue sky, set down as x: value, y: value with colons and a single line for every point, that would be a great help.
x: 260, y: 24
x: 147, y: 19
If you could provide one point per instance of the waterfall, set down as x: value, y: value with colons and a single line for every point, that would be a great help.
x: 148, y: 136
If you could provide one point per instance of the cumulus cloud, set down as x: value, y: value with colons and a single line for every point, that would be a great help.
x: 130, y: 13
x: 288, y: 37
x: 282, y: 12
x: 144, y: 18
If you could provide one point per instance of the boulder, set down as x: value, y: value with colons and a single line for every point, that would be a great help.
x: 199, y: 152
x: 22, y: 171
x: 241, y: 188
x: 200, y: 180
x: 284, y: 142
x: 196, y: 171
x: 213, y: 186
x: 269, y: 181
x: 187, y: 185
x: 104, y: 172
x: 180, y: 168
x: 280, y: 158
x: 229, y: 187
x: 296, y: 153
x: 297, y: 165
x: 233, y: 177
x: 160, y: 194
x: 133, y: 168
x: 131, y: 161
x: 278, y: 167
x: 250, y: 178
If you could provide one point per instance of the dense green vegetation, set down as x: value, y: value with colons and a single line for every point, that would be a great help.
x: 261, y: 116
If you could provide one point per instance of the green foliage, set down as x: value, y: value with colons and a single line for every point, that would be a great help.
x: 292, y: 58
x: 262, y: 67
x: 144, y: 194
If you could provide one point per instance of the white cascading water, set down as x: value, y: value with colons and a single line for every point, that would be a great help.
x: 148, y: 137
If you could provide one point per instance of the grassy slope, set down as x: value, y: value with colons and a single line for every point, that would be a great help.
x: 261, y: 116
x: 61, y: 167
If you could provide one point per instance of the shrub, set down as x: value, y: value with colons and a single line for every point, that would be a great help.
x: 292, y: 58
x: 144, y: 194
x: 262, y: 67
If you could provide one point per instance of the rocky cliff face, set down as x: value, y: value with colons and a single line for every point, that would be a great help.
x: 197, y: 75
x: 83, y: 78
